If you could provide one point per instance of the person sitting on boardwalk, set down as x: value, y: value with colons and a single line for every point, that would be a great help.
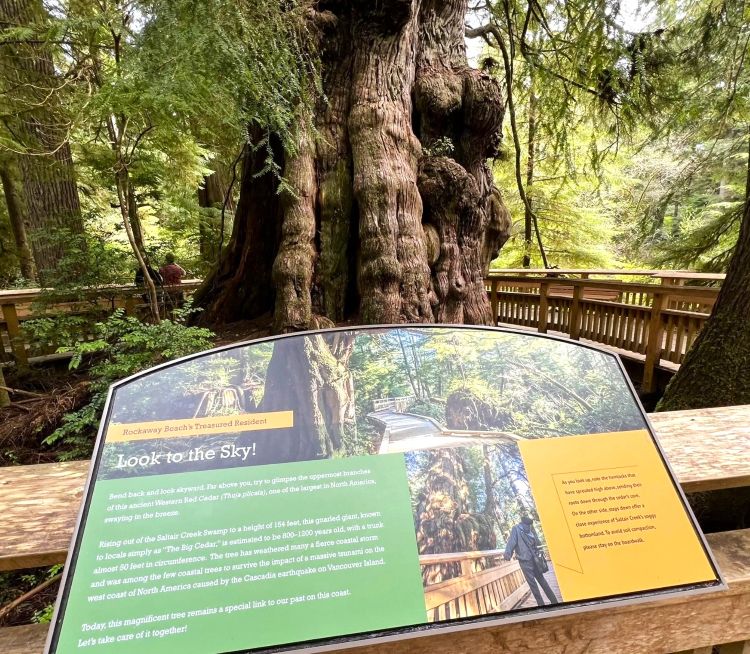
x: 525, y: 543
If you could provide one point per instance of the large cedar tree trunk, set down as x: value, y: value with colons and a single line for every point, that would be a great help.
x: 321, y: 396
x: 716, y: 370
x: 444, y: 520
x: 392, y: 215
x: 49, y: 186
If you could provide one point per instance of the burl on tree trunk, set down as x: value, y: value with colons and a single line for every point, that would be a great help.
x: 390, y: 214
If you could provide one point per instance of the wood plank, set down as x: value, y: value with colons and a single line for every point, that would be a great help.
x: 432, y: 559
x: 661, y: 626
x: 681, y: 274
x: 38, y: 511
x: 446, y: 591
x: 10, y: 317
x: 708, y: 450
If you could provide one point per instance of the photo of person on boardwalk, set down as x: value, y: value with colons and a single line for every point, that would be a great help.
x: 524, y: 543
x: 470, y: 505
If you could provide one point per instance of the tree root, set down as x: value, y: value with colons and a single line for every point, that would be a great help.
x: 24, y: 428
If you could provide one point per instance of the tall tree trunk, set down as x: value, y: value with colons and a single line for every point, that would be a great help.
x: 240, y: 286
x: 40, y: 132
x: 12, y: 190
x: 444, y: 518
x: 528, y: 216
x: 324, y: 395
x: 444, y: 521
x: 715, y: 370
x: 392, y: 215
x: 134, y: 218
x: 124, y: 191
x: 211, y: 197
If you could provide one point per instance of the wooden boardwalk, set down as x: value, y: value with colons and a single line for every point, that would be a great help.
x: 403, y: 432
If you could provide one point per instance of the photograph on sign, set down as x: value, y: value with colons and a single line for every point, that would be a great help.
x: 370, y: 483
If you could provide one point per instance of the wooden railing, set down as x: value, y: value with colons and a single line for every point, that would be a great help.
x: 499, y: 586
x: 655, y: 320
x: 19, y: 306
x: 398, y: 404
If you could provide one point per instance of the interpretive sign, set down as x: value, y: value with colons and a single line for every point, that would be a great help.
x: 322, y: 488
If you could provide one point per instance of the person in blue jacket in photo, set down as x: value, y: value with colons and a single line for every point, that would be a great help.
x: 525, y: 544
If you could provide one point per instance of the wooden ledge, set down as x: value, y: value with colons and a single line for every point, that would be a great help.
x: 672, y: 625
x: 708, y: 449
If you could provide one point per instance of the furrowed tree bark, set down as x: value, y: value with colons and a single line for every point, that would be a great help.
x: 715, y: 369
x: 391, y: 215
x: 240, y: 286
x: 293, y: 267
x: 394, y: 276
x: 10, y: 177
x: 40, y: 131
x: 336, y: 282
x: 322, y: 399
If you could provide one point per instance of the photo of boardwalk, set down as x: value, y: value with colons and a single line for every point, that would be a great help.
x: 481, y: 546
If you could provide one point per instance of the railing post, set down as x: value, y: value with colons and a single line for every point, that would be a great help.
x: 654, y: 344
x: 14, y: 332
x: 4, y: 397
x: 494, y: 300
x: 575, y: 313
x: 543, y: 307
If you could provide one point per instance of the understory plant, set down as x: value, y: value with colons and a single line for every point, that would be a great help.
x: 123, y: 346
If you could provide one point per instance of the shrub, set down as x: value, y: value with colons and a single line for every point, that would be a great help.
x: 123, y: 346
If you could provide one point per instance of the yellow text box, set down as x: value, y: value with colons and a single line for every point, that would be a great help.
x: 611, y: 515
x: 191, y: 427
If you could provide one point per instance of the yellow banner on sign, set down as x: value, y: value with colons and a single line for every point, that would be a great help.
x: 188, y: 428
x: 613, y: 521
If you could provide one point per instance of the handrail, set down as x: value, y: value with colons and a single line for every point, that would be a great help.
x: 432, y: 559
x: 18, y: 306
x: 36, y: 293
x: 399, y: 404
x: 585, y: 273
x: 654, y: 322
x: 470, y: 591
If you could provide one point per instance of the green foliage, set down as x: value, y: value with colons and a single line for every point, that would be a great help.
x: 640, y: 129
x: 44, y: 616
x: 442, y: 147
x: 166, y: 89
x: 123, y: 347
